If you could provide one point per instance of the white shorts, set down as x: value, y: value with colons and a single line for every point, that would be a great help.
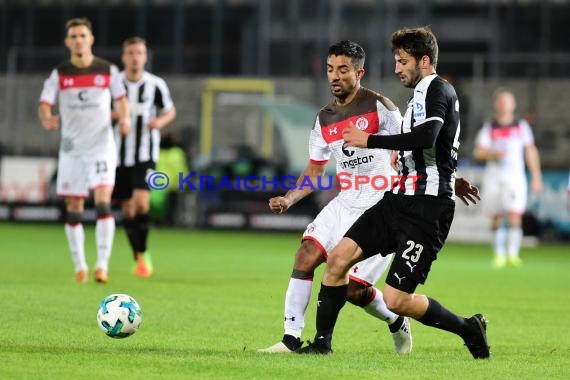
x: 76, y: 175
x: 327, y: 230
x: 504, y: 195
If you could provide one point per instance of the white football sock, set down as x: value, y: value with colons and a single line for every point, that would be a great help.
x: 377, y: 308
x: 500, y: 242
x: 76, y: 241
x: 104, y: 235
x: 296, y: 301
x: 515, y: 239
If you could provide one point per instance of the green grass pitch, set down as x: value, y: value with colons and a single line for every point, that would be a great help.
x: 216, y: 297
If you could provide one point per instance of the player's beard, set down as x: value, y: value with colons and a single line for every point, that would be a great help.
x: 415, y: 78
x: 342, y: 94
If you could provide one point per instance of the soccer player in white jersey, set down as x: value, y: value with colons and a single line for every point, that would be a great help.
x: 151, y: 110
x: 375, y: 114
x: 504, y: 144
x: 84, y: 86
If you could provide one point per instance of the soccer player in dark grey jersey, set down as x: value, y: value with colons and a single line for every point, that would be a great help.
x: 415, y: 218
x: 151, y: 110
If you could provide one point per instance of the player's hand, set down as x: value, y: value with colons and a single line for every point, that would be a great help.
x: 466, y: 191
x: 124, y: 125
x: 536, y: 185
x: 394, y: 160
x: 278, y: 205
x: 498, y: 154
x: 355, y: 137
x: 51, y: 122
x: 154, y: 124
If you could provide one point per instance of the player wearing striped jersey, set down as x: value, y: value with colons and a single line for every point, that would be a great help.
x: 374, y: 114
x: 413, y: 221
x: 151, y: 110
x: 502, y: 143
x: 83, y: 87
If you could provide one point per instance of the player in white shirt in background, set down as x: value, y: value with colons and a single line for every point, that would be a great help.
x: 83, y: 87
x: 505, y: 144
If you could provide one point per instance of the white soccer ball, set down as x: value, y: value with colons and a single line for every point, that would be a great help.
x: 119, y: 316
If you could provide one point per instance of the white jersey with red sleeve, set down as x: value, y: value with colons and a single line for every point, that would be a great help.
x: 504, y: 180
x: 512, y: 140
x: 84, y: 97
x: 363, y: 174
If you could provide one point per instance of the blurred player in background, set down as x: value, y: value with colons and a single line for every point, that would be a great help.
x: 414, y: 219
x: 83, y: 87
x: 504, y: 144
x: 151, y: 110
x: 375, y: 114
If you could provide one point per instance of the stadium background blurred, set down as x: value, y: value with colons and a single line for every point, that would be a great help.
x: 248, y: 76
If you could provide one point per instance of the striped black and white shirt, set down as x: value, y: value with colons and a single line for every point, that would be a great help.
x: 148, y: 98
x: 433, y: 169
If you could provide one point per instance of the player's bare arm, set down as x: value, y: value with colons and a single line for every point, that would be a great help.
x: 467, y: 192
x: 533, y: 162
x: 115, y: 115
x: 47, y: 118
x: 163, y: 120
x: 124, y: 118
x: 483, y: 154
x: 279, y: 205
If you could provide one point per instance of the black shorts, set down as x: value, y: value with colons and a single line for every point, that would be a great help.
x: 129, y: 178
x: 414, y: 227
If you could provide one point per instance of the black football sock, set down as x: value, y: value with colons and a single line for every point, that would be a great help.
x: 132, y: 234
x: 142, y: 226
x: 395, y: 326
x: 439, y: 317
x: 331, y: 300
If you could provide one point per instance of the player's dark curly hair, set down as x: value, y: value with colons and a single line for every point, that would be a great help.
x: 350, y: 49
x: 417, y: 42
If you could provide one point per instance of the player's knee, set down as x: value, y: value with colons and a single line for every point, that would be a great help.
x: 308, y: 257
x: 129, y: 211
x: 141, y: 206
x: 142, y: 209
x: 73, y: 218
x: 103, y: 210
x: 359, y: 294
x: 74, y: 205
x: 338, y: 264
x: 395, y: 302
